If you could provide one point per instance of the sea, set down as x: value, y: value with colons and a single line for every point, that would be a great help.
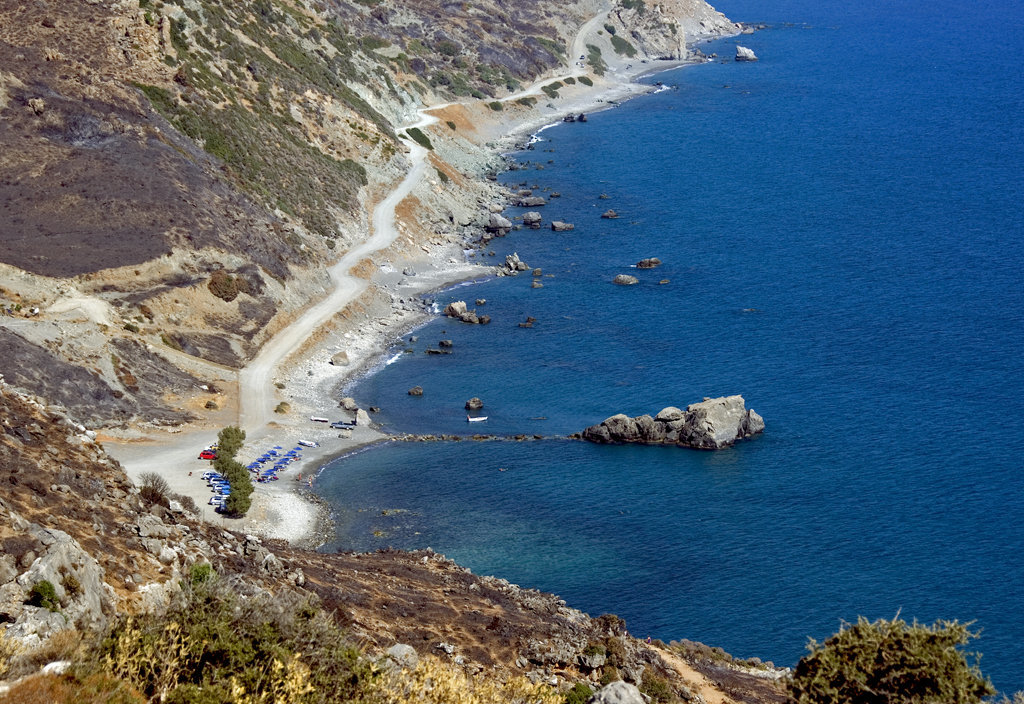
x: 840, y: 226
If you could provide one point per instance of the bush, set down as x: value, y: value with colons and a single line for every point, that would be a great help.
x: 201, y: 573
x: 283, y: 408
x: 496, y: 105
x: 586, y: 80
x: 890, y: 662
x: 416, y: 134
x: 131, y: 327
x: 451, y: 125
x: 187, y: 503
x: 44, y: 595
x: 71, y: 585
x: 154, y: 489
x: 437, y: 682
x: 579, y: 694
x: 214, y: 646
x: 527, y: 101
x: 655, y: 687
x: 595, y: 60
x: 621, y: 46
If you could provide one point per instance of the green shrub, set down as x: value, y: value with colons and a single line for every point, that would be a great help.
x: 579, y: 694
x: 655, y: 687
x: 441, y: 175
x: 622, y: 47
x: 170, y: 342
x: 226, y: 287
x: 595, y: 60
x: 527, y: 101
x: 569, y: 80
x: 44, y: 595
x: 416, y: 134
x: 496, y: 105
x: 609, y: 674
x: 201, y: 573
x: 131, y: 327
x: 610, y: 29
x: 283, y: 408
x: 637, y: 5
x: 891, y: 662
x: 451, y: 125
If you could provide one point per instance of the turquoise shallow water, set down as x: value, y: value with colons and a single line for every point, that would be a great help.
x: 841, y: 227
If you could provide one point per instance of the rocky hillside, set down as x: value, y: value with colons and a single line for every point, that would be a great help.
x: 176, y: 176
x: 71, y: 518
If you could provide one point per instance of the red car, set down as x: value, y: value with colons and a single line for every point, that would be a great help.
x: 207, y: 455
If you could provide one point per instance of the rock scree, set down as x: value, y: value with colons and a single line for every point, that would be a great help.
x: 712, y: 424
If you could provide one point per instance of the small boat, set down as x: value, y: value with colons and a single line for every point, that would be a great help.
x: 478, y: 419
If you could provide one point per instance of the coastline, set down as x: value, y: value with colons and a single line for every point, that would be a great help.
x: 390, y: 308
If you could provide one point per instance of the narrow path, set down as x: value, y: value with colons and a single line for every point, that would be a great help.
x: 255, y: 387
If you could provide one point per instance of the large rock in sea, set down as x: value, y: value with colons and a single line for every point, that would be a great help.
x: 625, y: 280
x: 712, y: 424
x: 745, y: 54
x: 532, y: 219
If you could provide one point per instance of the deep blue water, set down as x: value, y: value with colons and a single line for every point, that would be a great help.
x: 840, y: 224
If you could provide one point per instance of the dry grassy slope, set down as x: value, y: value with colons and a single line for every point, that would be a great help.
x: 55, y: 479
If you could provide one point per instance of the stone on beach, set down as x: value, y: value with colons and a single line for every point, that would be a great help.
x: 498, y: 224
x: 340, y: 359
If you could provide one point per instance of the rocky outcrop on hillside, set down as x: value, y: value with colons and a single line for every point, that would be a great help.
x: 712, y: 424
x: 662, y: 30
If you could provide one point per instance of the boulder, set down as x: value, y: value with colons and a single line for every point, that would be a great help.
x: 712, y: 424
x: 625, y: 280
x: 416, y: 391
x: 529, y: 202
x: 618, y: 692
x: 474, y: 404
x: 446, y: 343
x: 349, y: 404
x: 609, y: 214
x: 498, y: 224
x: 340, y: 359
x: 404, y: 656
x: 745, y: 54
x: 532, y: 220
x: 362, y: 418
x: 559, y: 226
x: 649, y: 263
x: 457, y: 309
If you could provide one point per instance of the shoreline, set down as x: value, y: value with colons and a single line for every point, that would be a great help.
x: 311, y: 384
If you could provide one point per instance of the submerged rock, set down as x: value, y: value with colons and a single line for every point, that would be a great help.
x: 649, y: 263
x: 712, y: 424
x: 559, y: 226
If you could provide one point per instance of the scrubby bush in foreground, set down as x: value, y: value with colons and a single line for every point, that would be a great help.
x: 891, y: 662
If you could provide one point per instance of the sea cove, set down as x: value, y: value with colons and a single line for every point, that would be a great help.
x: 840, y: 230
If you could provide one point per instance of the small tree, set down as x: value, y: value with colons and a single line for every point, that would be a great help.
x: 154, y: 489
x: 229, y: 440
x: 890, y: 662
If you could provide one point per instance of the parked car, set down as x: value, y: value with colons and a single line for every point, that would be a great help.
x: 208, y: 455
x: 343, y: 424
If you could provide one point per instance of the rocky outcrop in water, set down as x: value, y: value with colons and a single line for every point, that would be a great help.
x: 712, y: 424
x: 625, y: 280
x: 745, y: 54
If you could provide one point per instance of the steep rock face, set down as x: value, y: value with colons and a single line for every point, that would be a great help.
x: 662, y: 30
x: 712, y: 424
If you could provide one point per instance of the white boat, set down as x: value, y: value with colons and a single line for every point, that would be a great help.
x: 309, y: 443
x: 478, y: 419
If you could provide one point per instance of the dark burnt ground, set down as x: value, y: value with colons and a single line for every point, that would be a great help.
x: 87, y: 396
x: 95, y: 180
